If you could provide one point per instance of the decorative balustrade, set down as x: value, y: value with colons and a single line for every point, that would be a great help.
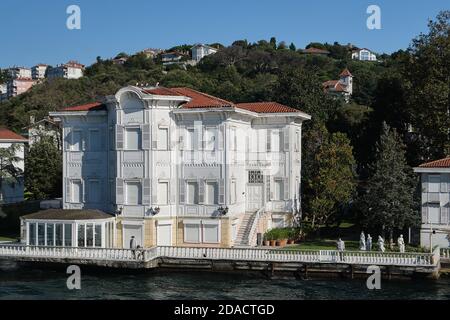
x: 445, y: 253
x: 237, y: 254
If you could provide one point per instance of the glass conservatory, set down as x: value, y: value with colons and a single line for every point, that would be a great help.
x: 69, y: 228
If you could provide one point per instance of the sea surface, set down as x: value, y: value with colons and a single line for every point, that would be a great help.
x: 19, y: 281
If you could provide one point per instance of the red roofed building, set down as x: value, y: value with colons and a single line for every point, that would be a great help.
x: 180, y: 167
x: 342, y: 87
x: 316, y: 51
x: 435, y: 204
x: 12, y: 185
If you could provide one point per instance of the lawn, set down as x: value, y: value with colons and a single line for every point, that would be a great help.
x: 7, y: 239
x: 325, y: 244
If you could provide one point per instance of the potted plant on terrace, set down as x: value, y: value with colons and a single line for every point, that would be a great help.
x: 282, y: 237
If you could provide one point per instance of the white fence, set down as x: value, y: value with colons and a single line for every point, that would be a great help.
x: 445, y: 253
x: 244, y: 254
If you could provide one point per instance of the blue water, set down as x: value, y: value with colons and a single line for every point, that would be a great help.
x: 32, y: 282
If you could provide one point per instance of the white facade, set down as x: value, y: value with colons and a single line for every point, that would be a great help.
x: 12, y: 191
x: 70, y: 70
x: 3, y: 91
x: 364, y: 55
x: 145, y: 150
x: 435, y: 204
x: 199, y: 51
x: 39, y: 71
x: 20, y: 72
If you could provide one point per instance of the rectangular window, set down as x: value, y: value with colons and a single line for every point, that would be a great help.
x: 89, y: 235
x: 190, y: 139
x: 77, y: 191
x: 81, y: 242
x: 41, y: 234
x: 210, y: 139
x: 98, y: 235
x: 212, y: 193
x: 434, y: 184
x: 32, y: 234
x: 94, y: 140
x: 192, y: 233
x: 211, y: 233
x: 133, y: 193
x: 192, y: 193
x: 434, y: 214
x: 233, y: 139
x: 50, y: 235
x: 163, y: 193
x: 163, y: 139
x: 279, y: 189
x: 133, y: 139
x: 275, y: 146
x: 233, y: 192
x: 297, y: 141
x: 58, y: 235
x: 77, y: 140
x: 68, y: 235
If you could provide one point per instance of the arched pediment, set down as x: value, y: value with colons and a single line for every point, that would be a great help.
x: 130, y: 98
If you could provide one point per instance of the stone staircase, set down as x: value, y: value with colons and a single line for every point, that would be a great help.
x: 242, y: 239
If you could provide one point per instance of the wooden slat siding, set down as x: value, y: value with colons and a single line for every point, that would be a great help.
x: 145, y: 129
x: 86, y: 143
x: 201, y: 191
x: 67, y: 138
x: 286, y: 138
x: 146, y: 194
x: 221, y: 137
x: 286, y: 188
x: 269, y: 140
x: 104, y: 139
x: 120, y: 191
x: 119, y: 137
x: 182, y: 190
x: 221, y: 191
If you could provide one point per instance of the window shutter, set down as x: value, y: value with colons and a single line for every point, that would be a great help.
x: 119, y: 137
x: 286, y: 138
x: 444, y: 184
x: 145, y: 129
x: 182, y: 190
x: 154, y: 137
x: 268, y: 193
x: 198, y: 132
x: 269, y: 140
x: 221, y: 191
x: 68, y: 190
x: 147, y: 189
x: 286, y: 188
x: 67, y: 138
x: 103, y: 138
x: 119, y: 191
x: 221, y: 137
x: 85, y: 143
x: 201, y: 191
x: 424, y: 214
x: 173, y: 191
x: 444, y: 215
x: 424, y: 182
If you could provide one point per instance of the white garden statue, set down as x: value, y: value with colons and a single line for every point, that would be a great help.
x: 369, y: 243
x: 401, y: 244
x: 381, y: 244
x: 362, y: 242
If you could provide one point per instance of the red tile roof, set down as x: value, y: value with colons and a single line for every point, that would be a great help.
x: 161, y: 91
x: 201, y: 100
x: 316, y: 50
x: 441, y: 163
x: 94, y: 106
x: 6, y: 134
x: 266, y: 107
x: 345, y: 73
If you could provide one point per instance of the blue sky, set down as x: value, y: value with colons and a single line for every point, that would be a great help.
x: 35, y: 31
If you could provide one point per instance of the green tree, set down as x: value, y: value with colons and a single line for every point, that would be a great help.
x: 329, y: 178
x: 292, y: 47
x: 9, y: 172
x: 389, y: 202
x: 43, y: 167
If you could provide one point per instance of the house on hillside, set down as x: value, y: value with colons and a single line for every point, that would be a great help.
x: 199, y: 51
x: 151, y: 53
x: 342, y: 88
x: 11, y: 190
x: 316, y: 51
x: 363, y: 55
x: 174, y: 167
x: 45, y: 127
x: 19, y: 73
x: 39, y: 71
x: 3, y: 91
x: 435, y: 204
x: 69, y: 70
x: 18, y: 86
x: 173, y: 57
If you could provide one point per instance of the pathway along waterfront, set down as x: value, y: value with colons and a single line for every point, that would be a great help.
x: 269, y: 262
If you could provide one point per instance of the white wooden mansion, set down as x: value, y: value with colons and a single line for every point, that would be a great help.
x: 435, y: 177
x: 173, y: 166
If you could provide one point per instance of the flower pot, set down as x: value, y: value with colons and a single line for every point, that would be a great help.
x: 290, y: 241
x: 272, y: 243
x: 266, y: 243
x: 282, y: 242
